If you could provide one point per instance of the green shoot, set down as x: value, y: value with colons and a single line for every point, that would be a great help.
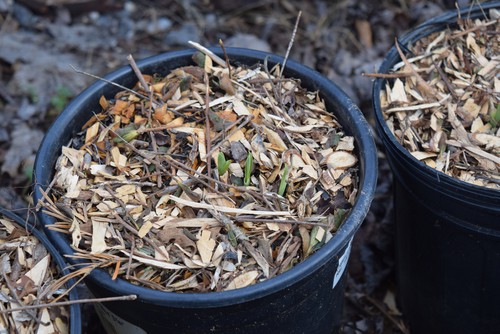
x: 495, y: 116
x: 338, y: 217
x: 222, y: 164
x: 61, y: 98
x: 318, y: 236
x: 283, y: 182
x: 248, y: 169
x: 127, y: 134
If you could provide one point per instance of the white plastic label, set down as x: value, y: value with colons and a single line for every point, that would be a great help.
x: 114, y: 324
x: 342, y: 265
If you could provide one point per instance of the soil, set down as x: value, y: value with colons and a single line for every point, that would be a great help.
x: 40, y: 41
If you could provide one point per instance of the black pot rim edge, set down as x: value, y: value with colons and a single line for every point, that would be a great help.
x: 215, y: 299
x: 75, y: 310
x: 426, y: 28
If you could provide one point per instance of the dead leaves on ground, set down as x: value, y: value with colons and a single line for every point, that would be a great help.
x: 447, y: 111
x: 174, y: 204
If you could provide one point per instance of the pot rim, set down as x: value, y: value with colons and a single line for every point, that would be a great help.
x: 328, y: 91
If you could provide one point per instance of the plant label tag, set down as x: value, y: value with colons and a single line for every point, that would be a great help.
x: 342, y: 264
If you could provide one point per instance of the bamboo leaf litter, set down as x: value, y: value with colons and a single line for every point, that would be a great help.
x: 446, y: 111
x: 211, y: 178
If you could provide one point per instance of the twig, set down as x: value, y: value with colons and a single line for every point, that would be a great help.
x: 211, y: 179
x: 221, y: 43
x: 71, y: 302
x: 208, y: 140
x: 129, y: 263
x: 209, y: 53
x: 388, y: 75
x: 477, y: 27
x: 279, y: 221
x: 445, y: 79
x: 375, y: 303
x: 424, y: 86
x: 110, y: 82
x: 227, y: 209
x: 17, y: 299
x: 138, y: 73
x: 215, y: 147
x: 290, y: 44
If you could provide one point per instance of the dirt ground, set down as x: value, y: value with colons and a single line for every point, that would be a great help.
x: 40, y: 39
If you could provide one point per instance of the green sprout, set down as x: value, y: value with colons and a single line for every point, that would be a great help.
x: 283, y: 182
x: 222, y: 163
x: 315, y: 241
x: 248, y: 169
x: 127, y: 134
x: 338, y: 218
x: 495, y: 116
x: 61, y: 98
x: 33, y: 96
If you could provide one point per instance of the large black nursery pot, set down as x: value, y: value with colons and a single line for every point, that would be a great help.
x: 306, y: 299
x: 75, y: 313
x: 447, y: 231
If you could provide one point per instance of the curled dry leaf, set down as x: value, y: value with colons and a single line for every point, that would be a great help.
x: 452, y: 121
x: 176, y: 205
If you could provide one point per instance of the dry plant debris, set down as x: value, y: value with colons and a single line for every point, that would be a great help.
x: 212, y: 178
x: 28, y: 277
x: 446, y: 110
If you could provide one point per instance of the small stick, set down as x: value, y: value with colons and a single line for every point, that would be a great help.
x: 221, y: 43
x: 110, y: 82
x: 279, y: 221
x: 132, y: 247
x: 180, y: 165
x: 117, y: 269
x: 465, y: 32
x: 228, y: 224
x: 388, y: 75
x: 445, y: 79
x: 209, y: 53
x: 228, y: 136
x: 71, y: 302
x: 420, y: 81
x: 375, y: 303
x: 208, y: 140
x: 138, y: 73
x: 17, y: 299
x: 291, y: 42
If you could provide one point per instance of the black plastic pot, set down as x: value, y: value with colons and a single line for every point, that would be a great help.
x: 307, y: 298
x: 75, y: 325
x: 447, y: 231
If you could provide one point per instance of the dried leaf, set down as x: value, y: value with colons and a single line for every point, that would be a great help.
x: 243, y: 280
x: 205, y: 246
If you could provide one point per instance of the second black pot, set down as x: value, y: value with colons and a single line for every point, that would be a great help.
x: 447, y: 230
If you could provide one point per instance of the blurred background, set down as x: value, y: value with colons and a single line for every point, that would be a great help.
x: 41, y: 39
